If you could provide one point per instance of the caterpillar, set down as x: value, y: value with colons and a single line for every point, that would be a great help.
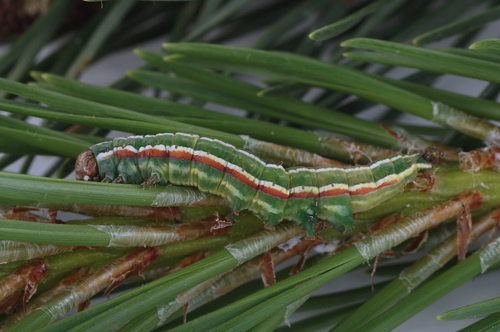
x: 246, y: 182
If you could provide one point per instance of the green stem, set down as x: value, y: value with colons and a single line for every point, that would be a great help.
x: 436, y: 288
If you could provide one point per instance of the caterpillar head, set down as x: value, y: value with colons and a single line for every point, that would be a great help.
x: 86, y: 168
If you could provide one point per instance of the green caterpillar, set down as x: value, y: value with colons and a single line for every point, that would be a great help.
x: 299, y: 194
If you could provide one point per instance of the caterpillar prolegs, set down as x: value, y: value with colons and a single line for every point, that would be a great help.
x: 299, y: 194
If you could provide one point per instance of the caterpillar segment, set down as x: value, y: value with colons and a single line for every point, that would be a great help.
x: 271, y: 192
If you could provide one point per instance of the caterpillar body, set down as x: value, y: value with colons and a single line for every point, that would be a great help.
x: 246, y: 182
